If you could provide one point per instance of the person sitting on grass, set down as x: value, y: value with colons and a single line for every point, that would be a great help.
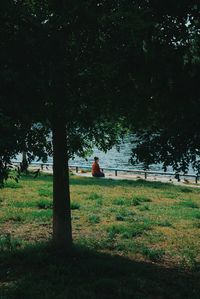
x: 96, y: 172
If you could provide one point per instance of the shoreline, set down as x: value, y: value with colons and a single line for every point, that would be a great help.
x: 132, y: 176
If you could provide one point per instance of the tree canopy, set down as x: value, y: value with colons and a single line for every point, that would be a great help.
x: 171, y: 134
x: 87, y: 71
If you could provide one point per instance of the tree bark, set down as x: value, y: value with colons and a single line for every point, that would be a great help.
x: 62, y: 230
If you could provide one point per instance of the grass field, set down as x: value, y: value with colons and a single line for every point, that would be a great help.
x: 132, y: 239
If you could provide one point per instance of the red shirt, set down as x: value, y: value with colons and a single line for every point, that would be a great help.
x: 95, y: 168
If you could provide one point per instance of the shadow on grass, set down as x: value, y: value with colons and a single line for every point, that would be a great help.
x: 109, y: 182
x: 38, y: 272
x: 76, y: 180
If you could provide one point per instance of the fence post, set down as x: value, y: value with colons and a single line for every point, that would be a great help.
x: 145, y: 175
x: 196, y: 179
x: 76, y: 169
x: 115, y: 172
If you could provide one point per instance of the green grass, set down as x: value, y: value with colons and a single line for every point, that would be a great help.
x: 153, y: 254
x: 44, y: 204
x: 88, y: 274
x: 75, y: 206
x: 119, y: 201
x: 133, y: 201
x: 124, y: 215
x: 45, y: 192
x: 189, y: 204
x: 133, y: 239
x: 12, y: 184
x: 93, y: 219
x: 127, y: 231
x: 144, y: 208
x: 95, y: 196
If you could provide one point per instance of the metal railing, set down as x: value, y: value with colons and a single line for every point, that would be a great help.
x: 146, y: 173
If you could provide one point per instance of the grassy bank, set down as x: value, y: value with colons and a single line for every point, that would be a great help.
x: 133, y: 239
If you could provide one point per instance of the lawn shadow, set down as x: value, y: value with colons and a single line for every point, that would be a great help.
x: 39, y: 272
x: 140, y: 183
x: 109, y: 182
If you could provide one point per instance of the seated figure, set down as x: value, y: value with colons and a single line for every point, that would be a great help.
x: 96, y: 172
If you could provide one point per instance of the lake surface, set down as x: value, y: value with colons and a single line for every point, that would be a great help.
x: 117, y: 157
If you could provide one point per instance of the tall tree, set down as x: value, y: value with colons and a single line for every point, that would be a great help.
x: 87, y: 69
x: 170, y: 133
x: 61, y: 67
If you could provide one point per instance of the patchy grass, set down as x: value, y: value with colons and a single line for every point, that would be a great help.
x: 45, y: 192
x: 12, y: 184
x: 189, y: 204
x: 152, y: 254
x: 127, y: 231
x: 75, y: 206
x: 95, y: 196
x: 133, y: 239
x: 44, y: 204
x: 93, y: 219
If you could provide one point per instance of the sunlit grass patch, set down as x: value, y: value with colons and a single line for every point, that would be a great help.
x: 140, y: 220
x: 189, y: 204
x: 23, y: 215
x: 94, y: 219
x: 124, y: 215
x: 151, y: 253
x: 143, y: 208
x: 45, y: 192
x: 119, y: 201
x: 44, y: 204
x: 15, y: 217
x: 165, y: 223
x: 99, y: 202
x: 186, y: 190
x: 142, y: 198
x: 170, y: 194
x: 12, y: 184
x: 133, y: 201
x: 127, y: 231
x: 22, y: 204
x: 188, y: 258
x: 38, y: 215
x: 95, y: 196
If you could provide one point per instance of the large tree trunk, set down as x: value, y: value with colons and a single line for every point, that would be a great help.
x: 62, y: 231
